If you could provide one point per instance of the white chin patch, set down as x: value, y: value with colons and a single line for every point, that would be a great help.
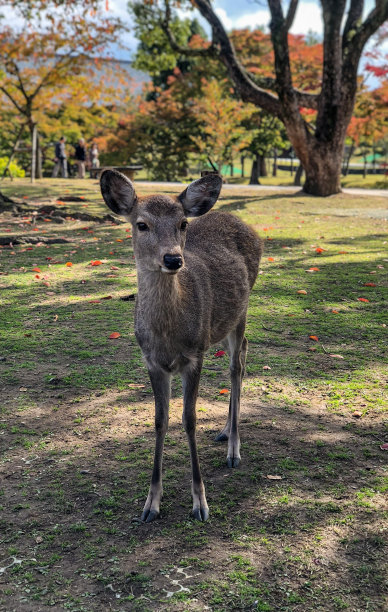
x: 166, y: 271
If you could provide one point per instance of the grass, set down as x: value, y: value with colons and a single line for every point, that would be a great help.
x: 76, y: 421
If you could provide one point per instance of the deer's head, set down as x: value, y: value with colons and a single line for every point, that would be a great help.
x: 159, y: 222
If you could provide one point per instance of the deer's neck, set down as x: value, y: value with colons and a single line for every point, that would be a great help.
x: 160, y: 299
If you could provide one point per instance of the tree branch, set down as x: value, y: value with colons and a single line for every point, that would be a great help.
x: 374, y: 20
x: 291, y: 14
x: 16, y: 105
x: 212, y: 50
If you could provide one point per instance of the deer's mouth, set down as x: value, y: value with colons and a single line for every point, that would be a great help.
x: 169, y: 271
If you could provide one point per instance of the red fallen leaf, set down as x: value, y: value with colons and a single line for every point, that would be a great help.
x: 36, y: 270
x: 313, y: 269
x: 46, y: 284
x: 224, y: 391
x: 315, y: 338
x: 319, y: 250
x: 335, y: 311
x: 114, y: 268
x: 37, y: 276
x: 56, y: 262
x: 25, y: 197
x: 343, y: 252
x: 94, y: 302
x: 107, y: 297
x: 97, y: 262
x: 48, y: 258
x: 127, y: 230
x: 384, y: 446
x: 69, y: 264
x: 362, y: 300
x: 270, y: 259
x: 118, y: 240
x: 111, y: 253
x: 115, y: 335
x: 370, y: 285
x: 219, y: 354
x: 302, y: 292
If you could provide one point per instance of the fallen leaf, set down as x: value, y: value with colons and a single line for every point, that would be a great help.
x: 270, y: 259
x: 362, y: 300
x: 115, y: 335
x: 315, y: 338
x: 219, y: 354
x: 69, y: 264
x: 56, y: 317
x: 342, y: 252
x: 107, y: 297
x: 302, y: 292
x: 335, y: 311
x: 357, y: 414
x: 118, y: 240
x: 94, y: 302
x: 336, y: 355
x: 384, y: 446
x: 36, y: 270
x: 273, y: 477
x: 224, y: 391
x: 135, y: 386
x: 114, y: 268
x: 319, y: 250
x: 314, y: 269
x: 369, y: 284
x: 37, y: 276
x: 266, y: 367
x: 97, y: 262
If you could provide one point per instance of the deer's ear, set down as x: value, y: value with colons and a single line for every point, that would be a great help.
x: 117, y: 191
x: 201, y: 195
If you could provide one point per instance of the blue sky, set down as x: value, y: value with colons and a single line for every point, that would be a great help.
x: 248, y: 13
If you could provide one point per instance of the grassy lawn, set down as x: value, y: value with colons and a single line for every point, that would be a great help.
x: 300, y: 525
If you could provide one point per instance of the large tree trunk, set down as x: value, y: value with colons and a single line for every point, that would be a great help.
x: 323, y: 173
x: 298, y: 176
x: 263, y: 166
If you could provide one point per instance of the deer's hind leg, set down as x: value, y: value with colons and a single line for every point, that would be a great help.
x: 237, y: 346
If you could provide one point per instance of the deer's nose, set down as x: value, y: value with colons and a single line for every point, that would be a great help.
x: 172, y: 262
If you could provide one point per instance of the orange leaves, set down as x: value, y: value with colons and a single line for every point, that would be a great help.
x: 362, y: 300
x: 114, y: 335
x: 68, y: 264
x: 270, y: 259
x: 319, y: 250
x: 313, y: 269
x: 36, y: 270
x: 97, y: 262
x: 370, y: 285
x: 315, y: 338
x: 335, y: 311
x: 224, y: 391
x: 302, y: 292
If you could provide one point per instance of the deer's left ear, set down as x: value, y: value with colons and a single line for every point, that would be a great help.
x: 201, y: 195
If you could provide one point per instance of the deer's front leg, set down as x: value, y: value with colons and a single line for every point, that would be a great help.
x: 190, y: 380
x: 160, y: 381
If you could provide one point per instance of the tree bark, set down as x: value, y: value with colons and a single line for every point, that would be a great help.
x: 255, y: 172
x: 262, y: 166
x: 298, y: 176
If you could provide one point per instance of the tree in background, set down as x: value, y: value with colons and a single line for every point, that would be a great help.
x: 319, y: 148
x: 46, y: 55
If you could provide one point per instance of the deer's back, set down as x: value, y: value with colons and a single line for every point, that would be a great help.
x: 222, y: 240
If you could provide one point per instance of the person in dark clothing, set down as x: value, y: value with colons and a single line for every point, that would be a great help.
x: 60, y: 158
x: 80, y: 156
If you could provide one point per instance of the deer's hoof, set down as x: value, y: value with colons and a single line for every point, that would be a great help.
x: 149, y: 515
x: 222, y: 437
x: 233, y: 462
x: 200, y: 514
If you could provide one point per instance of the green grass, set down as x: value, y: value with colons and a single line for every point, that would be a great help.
x: 76, y: 421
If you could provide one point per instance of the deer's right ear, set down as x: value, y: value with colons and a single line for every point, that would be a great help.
x: 118, y: 192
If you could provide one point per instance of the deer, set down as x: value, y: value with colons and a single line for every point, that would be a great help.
x: 194, y: 281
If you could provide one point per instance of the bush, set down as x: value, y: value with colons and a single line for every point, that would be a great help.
x: 13, y: 170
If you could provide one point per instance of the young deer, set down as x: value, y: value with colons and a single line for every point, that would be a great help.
x: 194, y: 282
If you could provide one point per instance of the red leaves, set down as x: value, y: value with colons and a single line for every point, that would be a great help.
x: 36, y: 270
x: 362, y: 300
x: 370, y: 285
x: 219, y: 354
x: 97, y: 262
x: 114, y: 335
x: 69, y: 264
x: 315, y: 338
x: 224, y: 391
x: 319, y: 250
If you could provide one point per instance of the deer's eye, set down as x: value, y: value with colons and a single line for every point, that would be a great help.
x: 142, y: 227
x: 184, y: 225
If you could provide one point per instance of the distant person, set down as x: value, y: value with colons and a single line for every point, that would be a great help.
x: 80, y: 156
x: 60, y: 158
x: 94, y: 161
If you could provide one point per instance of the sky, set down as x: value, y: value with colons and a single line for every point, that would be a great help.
x: 245, y: 13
